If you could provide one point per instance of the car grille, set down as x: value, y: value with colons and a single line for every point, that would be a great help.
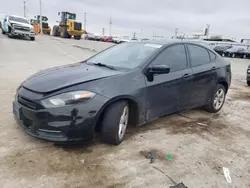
x: 78, y: 26
x: 28, y: 103
x: 21, y: 28
x: 45, y: 25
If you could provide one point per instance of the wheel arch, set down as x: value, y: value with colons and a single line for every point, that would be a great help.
x: 133, y: 107
x: 224, y: 83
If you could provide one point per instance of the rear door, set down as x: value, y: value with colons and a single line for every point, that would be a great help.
x: 168, y: 93
x: 205, y: 75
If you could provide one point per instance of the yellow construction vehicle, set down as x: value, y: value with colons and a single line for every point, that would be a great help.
x: 36, y: 24
x: 68, y: 26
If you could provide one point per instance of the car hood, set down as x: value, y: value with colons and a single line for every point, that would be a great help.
x: 64, y: 76
x: 20, y: 24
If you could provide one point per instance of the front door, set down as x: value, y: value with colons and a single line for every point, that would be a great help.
x: 205, y: 75
x: 168, y: 93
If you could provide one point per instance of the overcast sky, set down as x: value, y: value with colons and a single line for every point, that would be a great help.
x: 229, y: 18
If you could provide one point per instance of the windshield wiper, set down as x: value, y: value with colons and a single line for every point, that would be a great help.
x: 103, y: 65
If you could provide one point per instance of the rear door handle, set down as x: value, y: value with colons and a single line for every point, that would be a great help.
x: 213, y: 68
x: 186, y: 75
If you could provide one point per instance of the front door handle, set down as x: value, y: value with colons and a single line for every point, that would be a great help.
x: 213, y: 68
x: 186, y: 75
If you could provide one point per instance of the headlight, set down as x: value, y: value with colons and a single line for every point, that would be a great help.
x: 69, y: 98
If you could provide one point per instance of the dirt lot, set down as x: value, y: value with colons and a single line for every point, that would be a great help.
x: 199, y: 151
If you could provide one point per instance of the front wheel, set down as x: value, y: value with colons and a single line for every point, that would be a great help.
x: 217, y: 99
x: 32, y: 38
x: 3, y: 32
x: 248, y: 83
x: 233, y: 55
x: 115, y: 122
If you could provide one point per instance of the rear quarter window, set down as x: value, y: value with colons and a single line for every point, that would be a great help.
x: 212, y: 56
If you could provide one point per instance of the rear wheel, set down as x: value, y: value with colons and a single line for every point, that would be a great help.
x: 69, y: 36
x: 77, y: 37
x: 3, y: 32
x: 244, y: 56
x: 115, y: 123
x: 55, y: 31
x: 217, y: 99
x: 223, y: 55
x: 248, y: 83
x: 64, y: 32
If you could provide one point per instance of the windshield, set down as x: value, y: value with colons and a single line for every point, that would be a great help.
x: 126, y: 55
x: 18, y: 19
x: 71, y: 16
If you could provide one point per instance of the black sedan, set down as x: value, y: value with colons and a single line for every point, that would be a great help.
x: 132, y: 83
x: 236, y: 52
x: 248, y: 75
x: 222, y: 49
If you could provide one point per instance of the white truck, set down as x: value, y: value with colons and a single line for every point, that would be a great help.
x: 17, y: 26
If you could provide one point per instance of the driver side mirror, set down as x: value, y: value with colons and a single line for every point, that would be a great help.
x: 156, y: 69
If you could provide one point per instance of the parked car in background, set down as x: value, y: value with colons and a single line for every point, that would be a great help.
x: 222, y: 49
x: 107, y: 39
x: 248, y: 75
x: 235, y: 51
x: 97, y: 37
x: 131, y: 83
x: 16, y: 26
x: 122, y: 39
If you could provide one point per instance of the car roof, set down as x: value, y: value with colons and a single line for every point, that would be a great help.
x: 174, y: 41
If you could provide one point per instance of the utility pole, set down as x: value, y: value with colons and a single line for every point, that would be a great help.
x: 103, y: 31
x: 176, y: 32
x: 85, y: 21
x: 110, y: 23
x: 208, y: 30
x: 41, y: 19
x: 24, y: 9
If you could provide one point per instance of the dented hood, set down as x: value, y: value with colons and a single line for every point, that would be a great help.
x: 64, y: 76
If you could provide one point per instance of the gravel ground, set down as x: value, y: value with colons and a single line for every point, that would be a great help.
x: 199, y: 150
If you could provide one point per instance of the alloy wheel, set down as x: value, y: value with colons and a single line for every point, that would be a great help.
x: 123, y: 122
x: 219, y: 99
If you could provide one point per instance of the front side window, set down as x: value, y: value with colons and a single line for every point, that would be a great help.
x: 173, y: 56
x: 198, y: 55
x: 126, y: 55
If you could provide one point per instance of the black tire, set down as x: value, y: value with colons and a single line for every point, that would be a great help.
x: 55, y: 31
x: 248, y: 83
x: 64, y: 32
x: 210, y: 107
x: 233, y: 55
x: 77, y: 37
x: 3, y: 32
x: 32, y: 38
x: 110, y: 123
x: 69, y: 36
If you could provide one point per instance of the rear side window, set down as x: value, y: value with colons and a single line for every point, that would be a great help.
x: 212, y: 56
x: 198, y: 55
x: 173, y: 56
